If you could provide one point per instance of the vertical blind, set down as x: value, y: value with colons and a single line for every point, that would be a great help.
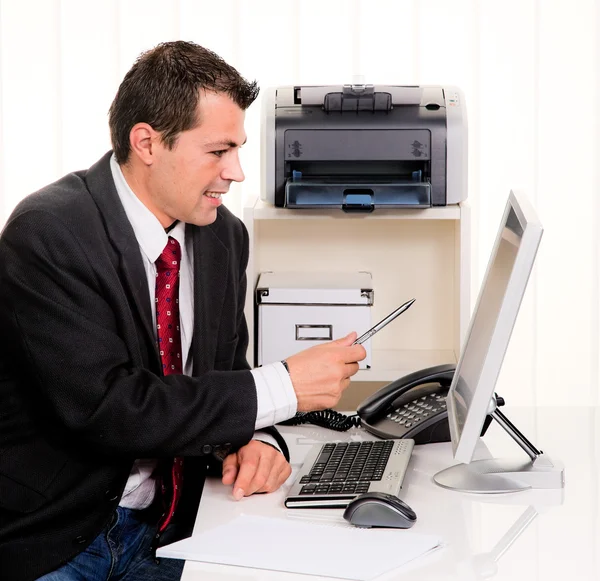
x: 529, y: 70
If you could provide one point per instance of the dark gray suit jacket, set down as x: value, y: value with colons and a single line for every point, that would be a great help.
x: 81, y: 390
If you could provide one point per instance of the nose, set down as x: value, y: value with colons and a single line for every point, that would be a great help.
x: 233, y: 169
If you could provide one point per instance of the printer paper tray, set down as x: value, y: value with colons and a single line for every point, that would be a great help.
x: 357, y: 196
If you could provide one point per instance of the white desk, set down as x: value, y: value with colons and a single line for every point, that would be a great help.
x: 513, y: 537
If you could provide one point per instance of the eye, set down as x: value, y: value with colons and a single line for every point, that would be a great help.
x: 220, y: 152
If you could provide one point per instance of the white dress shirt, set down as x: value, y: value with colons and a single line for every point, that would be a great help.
x: 276, y: 398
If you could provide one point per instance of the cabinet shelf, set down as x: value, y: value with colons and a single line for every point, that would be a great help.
x: 409, y: 253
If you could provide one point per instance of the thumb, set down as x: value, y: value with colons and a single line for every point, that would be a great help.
x: 230, y: 469
x: 347, y: 340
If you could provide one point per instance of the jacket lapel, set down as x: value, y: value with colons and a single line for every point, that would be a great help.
x: 211, y: 259
x: 102, y: 189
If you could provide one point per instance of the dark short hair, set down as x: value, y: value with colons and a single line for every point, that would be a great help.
x: 163, y: 88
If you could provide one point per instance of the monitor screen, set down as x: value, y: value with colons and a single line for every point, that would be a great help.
x: 492, y: 323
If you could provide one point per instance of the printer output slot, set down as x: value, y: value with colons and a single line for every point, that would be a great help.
x: 362, y: 195
x: 358, y: 186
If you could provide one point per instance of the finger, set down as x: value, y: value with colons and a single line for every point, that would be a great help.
x: 230, y: 469
x: 285, y: 473
x: 252, y: 474
x: 279, y: 474
x: 353, y: 353
x: 268, y: 469
x: 347, y: 340
x: 266, y: 477
x: 351, y: 369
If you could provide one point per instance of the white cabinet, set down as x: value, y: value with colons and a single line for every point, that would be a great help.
x: 410, y: 253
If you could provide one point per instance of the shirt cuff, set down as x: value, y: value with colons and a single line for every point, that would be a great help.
x: 266, y: 438
x: 276, y: 398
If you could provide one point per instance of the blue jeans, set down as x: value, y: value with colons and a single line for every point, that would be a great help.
x: 121, y: 552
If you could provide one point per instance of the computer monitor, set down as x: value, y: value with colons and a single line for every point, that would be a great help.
x: 471, y: 397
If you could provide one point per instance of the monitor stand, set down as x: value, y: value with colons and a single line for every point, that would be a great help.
x: 496, y: 476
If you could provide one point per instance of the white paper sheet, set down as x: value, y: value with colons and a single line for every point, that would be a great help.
x: 330, y: 549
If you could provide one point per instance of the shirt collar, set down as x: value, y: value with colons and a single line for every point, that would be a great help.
x: 150, y: 234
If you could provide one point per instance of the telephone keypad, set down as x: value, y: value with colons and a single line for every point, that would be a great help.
x: 413, y: 412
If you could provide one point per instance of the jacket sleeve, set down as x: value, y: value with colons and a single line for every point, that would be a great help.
x: 70, y: 341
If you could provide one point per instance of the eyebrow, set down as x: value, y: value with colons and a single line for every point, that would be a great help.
x: 224, y: 143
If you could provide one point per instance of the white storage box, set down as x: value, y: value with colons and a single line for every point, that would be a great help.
x: 297, y: 310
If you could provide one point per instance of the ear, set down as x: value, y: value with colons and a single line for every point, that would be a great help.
x: 142, y: 139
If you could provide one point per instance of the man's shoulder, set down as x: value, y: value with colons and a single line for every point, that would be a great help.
x: 68, y: 190
x: 67, y: 197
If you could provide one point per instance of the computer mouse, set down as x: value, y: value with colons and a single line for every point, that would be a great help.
x: 379, y: 509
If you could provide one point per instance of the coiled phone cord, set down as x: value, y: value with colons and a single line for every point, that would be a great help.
x: 326, y: 419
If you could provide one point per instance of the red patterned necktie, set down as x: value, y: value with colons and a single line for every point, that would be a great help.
x: 169, y: 345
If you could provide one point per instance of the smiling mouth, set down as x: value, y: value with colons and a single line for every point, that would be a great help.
x: 216, y: 195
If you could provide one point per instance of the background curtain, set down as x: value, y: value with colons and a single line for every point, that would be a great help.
x: 529, y: 70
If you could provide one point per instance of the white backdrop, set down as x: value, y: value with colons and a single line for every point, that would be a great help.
x: 529, y: 70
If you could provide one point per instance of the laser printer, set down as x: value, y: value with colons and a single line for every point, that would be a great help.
x: 361, y: 147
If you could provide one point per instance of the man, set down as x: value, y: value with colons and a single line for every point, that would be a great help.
x: 123, y: 374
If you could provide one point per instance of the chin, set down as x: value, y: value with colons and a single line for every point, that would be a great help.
x: 205, y: 218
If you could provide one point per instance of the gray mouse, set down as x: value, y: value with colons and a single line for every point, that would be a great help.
x: 379, y: 509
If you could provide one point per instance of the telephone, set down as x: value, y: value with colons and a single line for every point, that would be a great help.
x: 413, y: 406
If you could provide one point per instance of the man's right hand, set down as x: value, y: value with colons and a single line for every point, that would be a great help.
x: 322, y: 373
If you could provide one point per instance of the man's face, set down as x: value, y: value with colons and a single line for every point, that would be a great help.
x: 187, y: 182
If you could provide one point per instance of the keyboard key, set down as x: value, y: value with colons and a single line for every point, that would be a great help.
x: 308, y: 489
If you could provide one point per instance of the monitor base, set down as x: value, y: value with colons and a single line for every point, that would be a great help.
x: 501, y: 476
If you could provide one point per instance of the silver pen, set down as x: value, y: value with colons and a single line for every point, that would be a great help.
x: 366, y: 336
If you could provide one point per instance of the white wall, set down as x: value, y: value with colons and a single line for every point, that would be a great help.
x: 529, y: 69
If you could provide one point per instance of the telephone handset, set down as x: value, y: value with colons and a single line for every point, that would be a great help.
x: 413, y: 406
